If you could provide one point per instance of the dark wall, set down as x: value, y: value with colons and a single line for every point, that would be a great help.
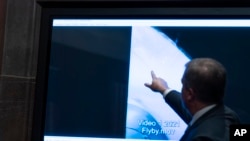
x: 2, y: 24
x: 17, y: 77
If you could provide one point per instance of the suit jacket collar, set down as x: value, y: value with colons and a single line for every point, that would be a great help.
x: 205, y: 115
x: 201, y: 112
x: 199, y: 120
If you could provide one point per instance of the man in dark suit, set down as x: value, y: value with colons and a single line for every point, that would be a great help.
x: 200, y: 103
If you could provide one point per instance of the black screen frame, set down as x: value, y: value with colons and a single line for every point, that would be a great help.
x: 113, y: 10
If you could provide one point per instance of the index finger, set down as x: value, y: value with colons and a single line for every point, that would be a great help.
x: 153, y: 75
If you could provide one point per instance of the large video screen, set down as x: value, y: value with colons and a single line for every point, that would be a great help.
x: 98, y: 68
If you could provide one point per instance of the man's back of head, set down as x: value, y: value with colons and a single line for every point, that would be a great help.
x: 207, y: 77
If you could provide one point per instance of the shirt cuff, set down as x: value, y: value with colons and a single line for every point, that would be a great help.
x: 166, y: 92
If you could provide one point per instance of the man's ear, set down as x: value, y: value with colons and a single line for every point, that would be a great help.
x: 190, y: 94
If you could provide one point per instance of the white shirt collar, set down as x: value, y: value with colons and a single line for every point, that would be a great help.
x: 200, y: 113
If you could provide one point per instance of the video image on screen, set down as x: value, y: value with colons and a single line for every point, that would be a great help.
x: 148, y: 116
x: 93, y: 62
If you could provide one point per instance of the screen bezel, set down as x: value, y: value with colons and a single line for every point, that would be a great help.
x: 112, y: 10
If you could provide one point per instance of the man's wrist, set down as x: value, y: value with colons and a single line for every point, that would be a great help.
x: 166, y: 92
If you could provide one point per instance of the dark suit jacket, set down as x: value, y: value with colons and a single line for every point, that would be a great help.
x: 212, y: 126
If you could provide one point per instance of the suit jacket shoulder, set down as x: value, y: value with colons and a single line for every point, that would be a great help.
x: 213, y: 125
x: 174, y: 101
